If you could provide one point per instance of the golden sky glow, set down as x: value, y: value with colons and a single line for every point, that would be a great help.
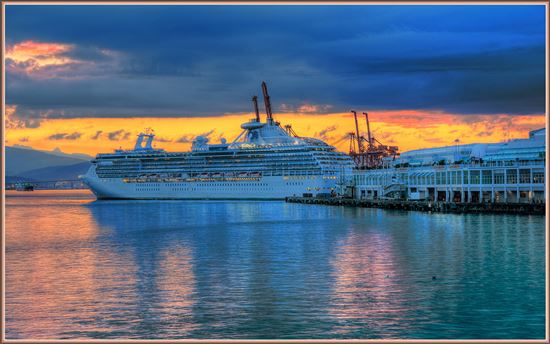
x: 406, y: 129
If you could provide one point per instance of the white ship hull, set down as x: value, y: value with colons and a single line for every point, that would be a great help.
x: 275, y: 187
x: 264, y: 162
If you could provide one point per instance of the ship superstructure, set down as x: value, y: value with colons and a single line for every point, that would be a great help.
x: 264, y: 162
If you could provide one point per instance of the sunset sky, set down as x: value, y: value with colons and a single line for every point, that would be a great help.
x: 87, y: 79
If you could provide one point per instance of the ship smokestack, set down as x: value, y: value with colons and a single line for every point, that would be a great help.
x: 255, y: 101
x: 149, y: 143
x: 267, y: 103
x: 139, y: 142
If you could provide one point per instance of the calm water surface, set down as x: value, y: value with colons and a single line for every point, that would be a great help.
x: 78, y: 268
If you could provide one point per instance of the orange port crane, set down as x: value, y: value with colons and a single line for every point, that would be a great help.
x: 373, y: 155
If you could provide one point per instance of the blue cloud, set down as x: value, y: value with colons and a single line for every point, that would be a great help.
x: 207, y: 60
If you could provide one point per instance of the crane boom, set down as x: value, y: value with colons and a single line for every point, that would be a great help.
x: 368, y: 129
x: 357, y: 137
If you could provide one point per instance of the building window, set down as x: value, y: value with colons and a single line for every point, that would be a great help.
x: 499, y: 177
x: 456, y: 177
x: 538, y: 177
x: 487, y: 177
x: 524, y: 176
x: 474, y: 177
x: 466, y: 177
x: 511, y: 176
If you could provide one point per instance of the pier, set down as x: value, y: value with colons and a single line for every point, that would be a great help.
x: 46, y: 185
x: 427, y: 206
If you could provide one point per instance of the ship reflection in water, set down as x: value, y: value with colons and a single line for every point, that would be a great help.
x: 78, y: 268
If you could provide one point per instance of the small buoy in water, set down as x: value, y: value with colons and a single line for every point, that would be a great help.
x: 433, y: 278
x: 387, y: 276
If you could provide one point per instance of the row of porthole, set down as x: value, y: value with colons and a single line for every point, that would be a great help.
x: 221, y: 189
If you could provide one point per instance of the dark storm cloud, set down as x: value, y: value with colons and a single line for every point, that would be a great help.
x: 178, y: 61
x: 118, y: 135
x: 97, y: 135
x: 190, y: 137
x: 65, y: 136
x: 324, y: 134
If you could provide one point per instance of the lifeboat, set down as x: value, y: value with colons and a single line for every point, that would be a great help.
x: 252, y: 125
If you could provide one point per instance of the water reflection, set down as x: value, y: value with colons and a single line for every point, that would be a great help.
x: 164, y: 278
x: 78, y: 268
x: 365, y: 286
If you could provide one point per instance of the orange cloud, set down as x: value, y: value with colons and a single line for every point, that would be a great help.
x: 47, y: 60
x: 305, y: 108
x: 407, y: 129
x: 311, y: 108
x: 31, y: 56
x: 31, y: 49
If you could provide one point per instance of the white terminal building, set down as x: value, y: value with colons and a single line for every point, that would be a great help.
x: 512, y: 171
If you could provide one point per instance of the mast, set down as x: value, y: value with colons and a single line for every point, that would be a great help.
x: 368, y: 129
x: 267, y: 103
x: 357, y: 137
x: 255, y: 101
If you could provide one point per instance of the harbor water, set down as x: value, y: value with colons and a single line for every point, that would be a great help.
x: 77, y: 268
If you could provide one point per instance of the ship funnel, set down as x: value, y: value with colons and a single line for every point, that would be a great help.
x: 149, y: 143
x: 255, y: 101
x: 139, y: 142
x: 267, y: 103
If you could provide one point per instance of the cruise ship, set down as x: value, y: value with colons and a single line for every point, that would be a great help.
x: 266, y: 161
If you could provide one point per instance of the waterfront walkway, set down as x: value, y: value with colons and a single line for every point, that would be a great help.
x: 429, y: 206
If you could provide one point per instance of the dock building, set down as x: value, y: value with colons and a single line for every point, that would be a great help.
x: 512, y: 172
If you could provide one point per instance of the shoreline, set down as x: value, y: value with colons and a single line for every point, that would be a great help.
x: 429, y: 206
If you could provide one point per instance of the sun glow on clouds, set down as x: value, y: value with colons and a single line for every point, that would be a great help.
x: 407, y: 129
x: 42, y: 60
x: 31, y: 56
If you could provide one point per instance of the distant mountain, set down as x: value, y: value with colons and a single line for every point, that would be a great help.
x: 57, y: 151
x: 12, y: 179
x: 52, y: 173
x: 21, y: 160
